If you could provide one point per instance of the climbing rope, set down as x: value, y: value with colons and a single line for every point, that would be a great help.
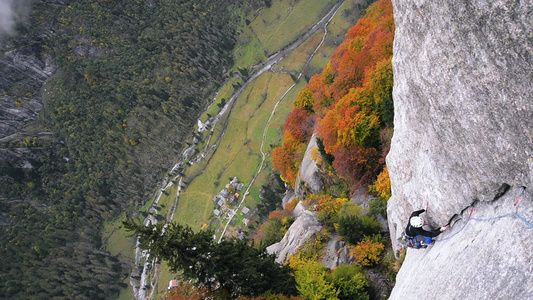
x: 515, y: 213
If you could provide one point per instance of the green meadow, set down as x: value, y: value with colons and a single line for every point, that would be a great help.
x: 278, y: 26
x: 238, y: 153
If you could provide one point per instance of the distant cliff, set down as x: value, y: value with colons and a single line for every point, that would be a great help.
x: 463, y: 142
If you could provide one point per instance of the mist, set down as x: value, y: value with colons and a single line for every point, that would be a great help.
x: 11, y: 13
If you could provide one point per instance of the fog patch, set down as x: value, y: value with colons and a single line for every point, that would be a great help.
x: 12, y: 12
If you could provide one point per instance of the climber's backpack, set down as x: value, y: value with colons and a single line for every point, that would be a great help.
x: 411, y: 242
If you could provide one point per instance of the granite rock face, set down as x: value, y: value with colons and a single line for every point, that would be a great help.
x: 463, y: 86
x: 307, y: 223
x: 305, y: 226
x: 336, y: 253
x: 23, y: 71
x: 309, y: 177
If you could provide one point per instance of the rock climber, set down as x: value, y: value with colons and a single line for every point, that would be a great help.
x: 419, y: 237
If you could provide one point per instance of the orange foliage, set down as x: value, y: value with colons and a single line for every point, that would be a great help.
x: 318, y: 84
x: 283, y: 161
x: 362, y: 29
x: 300, y: 124
x: 352, y: 122
x: 298, y: 130
x: 379, y: 43
x: 346, y: 98
x: 291, y: 205
x: 358, y: 128
x: 327, y: 130
x: 279, y: 215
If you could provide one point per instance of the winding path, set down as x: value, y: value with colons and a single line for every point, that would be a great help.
x: 330, y: 16
x: 142, y: 257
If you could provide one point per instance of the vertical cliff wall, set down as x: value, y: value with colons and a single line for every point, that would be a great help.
x: 463, y: 142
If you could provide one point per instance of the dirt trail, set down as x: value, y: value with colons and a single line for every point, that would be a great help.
x: 140, y: 277
x: 324, y: 22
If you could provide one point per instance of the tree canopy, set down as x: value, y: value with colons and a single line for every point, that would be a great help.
x: 232, y: 265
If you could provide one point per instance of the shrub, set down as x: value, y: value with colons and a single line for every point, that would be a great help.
x: 368, y: 251
x: 382, y: 185
x: 270, y: 232
x: 350, y: 209
x: 351, y: 282
x: 327, y: 207
x: 291, y: 205
x: 353, y: 228
x: 311, y: 280
x: 378, y: 206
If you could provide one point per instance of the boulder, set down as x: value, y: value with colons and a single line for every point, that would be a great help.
x: 336, y: 253
x: 309, y: 179
x: 302, y: 229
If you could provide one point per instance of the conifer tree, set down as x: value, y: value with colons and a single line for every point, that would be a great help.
x: 232, y: 265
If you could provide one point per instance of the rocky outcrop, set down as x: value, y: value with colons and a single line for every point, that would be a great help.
x: 309, y: 178
x: 24, y: 71
x: 336, y: 253
x: 307, y: 223
x: 464, y: 139
x: 26, y: 67
x: 14, y: 116
x: 302, y: 229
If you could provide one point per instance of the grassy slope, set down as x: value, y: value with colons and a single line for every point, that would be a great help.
x: 285, y: 21
x: 239, y: 153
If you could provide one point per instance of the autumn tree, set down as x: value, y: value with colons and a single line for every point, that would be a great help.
x: 352, y: 103
x: 351, y: 282
x: 382, y: 185
x: 328, y: 207
x: 311, y: 279
x: 368, y: 252
x: 305, y: 99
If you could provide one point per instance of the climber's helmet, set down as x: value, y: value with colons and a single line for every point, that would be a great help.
x: 417, y: 222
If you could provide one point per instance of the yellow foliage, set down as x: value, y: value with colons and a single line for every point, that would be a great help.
x: 382, y: 185
x: 305, y: 99
x: 315, y: 156
x: 330, y: 205
x: 367, y: 252
x: 297, y: 261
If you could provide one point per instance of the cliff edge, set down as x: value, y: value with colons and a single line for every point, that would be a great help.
x: 463, y: 143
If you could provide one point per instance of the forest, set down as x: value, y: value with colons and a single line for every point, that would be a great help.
x: 349, y: 107
x: 132, y: 79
